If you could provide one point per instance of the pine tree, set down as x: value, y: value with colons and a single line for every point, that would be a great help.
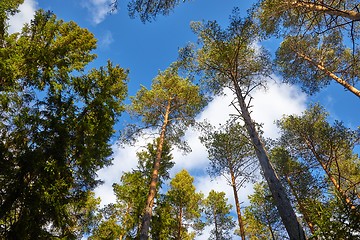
x: 122, y: 220
x: 262, y: 220
x: 228, y: 60
x: 180, y: 210
x: 319, y: 41
x: 170, y: 106
x: 217, y: 213
x: 231, y: 155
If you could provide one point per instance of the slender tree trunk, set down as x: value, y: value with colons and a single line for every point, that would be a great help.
x: 179, y: 223
x: 339, y: 80
x: 283, y: 205
x: 331, y: 177
x: 270, y: 229
x: 237, y: 203
x: 321, y: 7
x: 145, y: 226
x: 301, y: 206
x: 216, y: 224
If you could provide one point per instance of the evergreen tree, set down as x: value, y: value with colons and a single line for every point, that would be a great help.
x: 122, y: 220
x: 328, y: 152
x: 170, y: 106
x: 329, y: 148
x: 231, y: 155
x: 323, y: 212
x: 304, y: 187
x: 217, y: 213
x: 228, y: 60
x: 320, y: 41
x: 180, y: 210
x: 55, y: 126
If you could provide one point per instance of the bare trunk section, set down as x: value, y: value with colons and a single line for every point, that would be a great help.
x: 179, y: 223
x: 237, y: 203
x: 339, y: 80
x: 145, y: 226
x: 271, y: 231
x: 287, y: 214
x: 320, y: 7
x: 216, y: 224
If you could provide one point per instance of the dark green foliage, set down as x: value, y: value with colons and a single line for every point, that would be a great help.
x: 122, y: 219
x: 147, y: 158
x: 148, y: 10
x: 55, y: 126
x: 108, y: 225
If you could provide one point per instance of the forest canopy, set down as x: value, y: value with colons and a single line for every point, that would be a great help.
x: 65, y: 119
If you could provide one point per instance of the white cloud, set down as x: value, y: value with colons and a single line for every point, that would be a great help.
x: 27, y: 10
x: 124, y: 160
x: 106, y: 40
x: 215, y: 113
x: 279, y: 99
x: 98, y: 9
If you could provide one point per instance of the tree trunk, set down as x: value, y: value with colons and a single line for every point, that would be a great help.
x: 145, y: 226
x: 271, y: 231
x: 330, y: 176
x: 287, y: 214
x: 179, y: 223
x: 339, y: 80
x: 321, y: 7
x: 237, y: 203
x: 216, y: 224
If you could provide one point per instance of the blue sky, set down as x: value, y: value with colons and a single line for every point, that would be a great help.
x: 145, y: 49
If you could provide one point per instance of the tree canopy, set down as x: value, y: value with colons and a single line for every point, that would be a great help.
x: 217, y: 212
x: 56, y: 123
x: 320, y: 41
